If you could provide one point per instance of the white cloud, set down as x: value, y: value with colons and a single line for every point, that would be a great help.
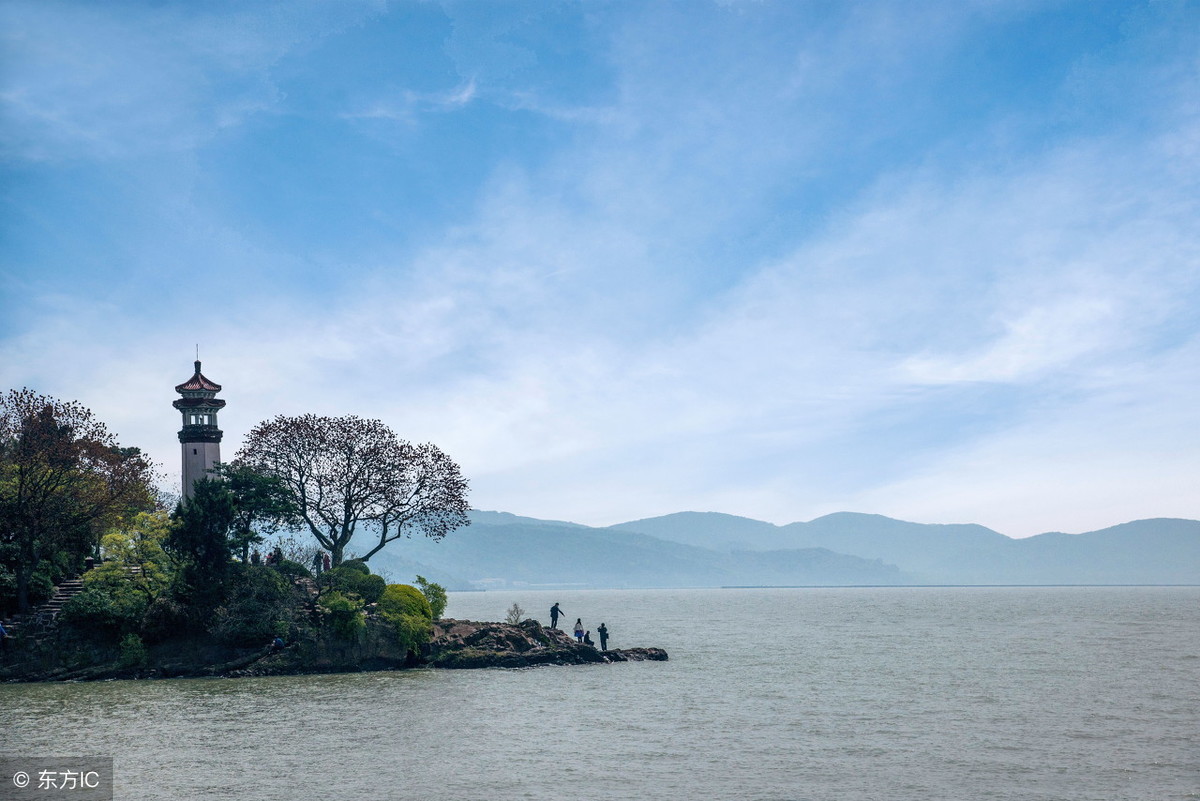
x: 566, y: 344
x: 1039, y: 341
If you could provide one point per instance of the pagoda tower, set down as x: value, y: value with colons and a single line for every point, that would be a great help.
x: 200, y: 438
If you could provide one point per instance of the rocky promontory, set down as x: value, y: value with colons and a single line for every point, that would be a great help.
x: 455, y: 644
x: 471, y: 644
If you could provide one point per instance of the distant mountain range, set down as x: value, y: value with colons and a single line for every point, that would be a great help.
x: 707, y: 549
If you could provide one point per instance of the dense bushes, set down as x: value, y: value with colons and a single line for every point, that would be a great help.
x: 103, y: 614
x: 257, y: 609
x: 407, y: 609
x: 293, y: 569
x: 356, y: 565
x: 351, y: 579
x: 401, y: 599
x: 344, y: 614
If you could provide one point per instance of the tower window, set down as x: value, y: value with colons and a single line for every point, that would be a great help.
x: 193, y: 451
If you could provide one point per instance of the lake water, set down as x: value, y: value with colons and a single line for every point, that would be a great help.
x: 847, y: 693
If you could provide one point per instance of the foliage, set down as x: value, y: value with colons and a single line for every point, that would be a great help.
x: 132, y: 651
x: 292, y: 569
x: 356, y: 564
x: 204, y: 521
x: 407, y: 609
x: 200, y: 541
x: 349, y: 580
x: 134, y: 555
x: 63, y: 480
x: 259, y: 601
x: 347, y: 472
x: 344, y: 614
x: 412, y: 631
x: 104, y: 612
x: 164, y: 618
x: 401, y: 599
x: 261, y: 506
x: 514, y: 615
x: 435, y: 594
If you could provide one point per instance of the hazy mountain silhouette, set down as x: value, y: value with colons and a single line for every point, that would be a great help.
x: 1160, y: 551
x: 692, y: 549
x: 501, y: 550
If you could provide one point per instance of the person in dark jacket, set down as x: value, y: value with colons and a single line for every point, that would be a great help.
x: 603, y: 632
x: 554, y: 613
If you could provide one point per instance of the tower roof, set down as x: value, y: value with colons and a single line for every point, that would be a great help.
x: 198, y: 383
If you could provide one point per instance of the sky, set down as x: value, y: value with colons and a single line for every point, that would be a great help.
x: 938, y: 261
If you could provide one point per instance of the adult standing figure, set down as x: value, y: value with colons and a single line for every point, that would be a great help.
x: 554, y: 613
x: 579, y: 629
x: 317, y: 561
x: 603, y: 632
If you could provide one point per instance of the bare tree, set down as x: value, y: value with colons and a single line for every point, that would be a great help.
x: 347, y: 474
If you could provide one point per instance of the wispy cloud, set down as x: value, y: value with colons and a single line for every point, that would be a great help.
x: 764, y: 268
x: 409, y: 105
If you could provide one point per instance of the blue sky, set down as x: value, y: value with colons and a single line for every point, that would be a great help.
x: 934, y: 260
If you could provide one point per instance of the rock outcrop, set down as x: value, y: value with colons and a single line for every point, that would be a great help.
x: 471, y: 644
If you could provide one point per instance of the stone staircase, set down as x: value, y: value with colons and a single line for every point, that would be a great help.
x: 41, y: 617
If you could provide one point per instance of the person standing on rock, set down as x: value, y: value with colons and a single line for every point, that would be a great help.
x: 579, y: 629
x: 554, y: 613
x: 603, y: 632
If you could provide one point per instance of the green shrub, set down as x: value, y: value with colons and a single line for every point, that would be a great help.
x: 259, y: 600
x: 133, y: 652
x: 349, y: 580
x: 407, y: 609
x: 435, y: 594
x: 164, y: 618
x: 293, y: 569
x: 371, y: 588
x: 104, y: 612
x: 412, y: 631
x: 41, y: 584
x: 345, y: 614
x: 401, y: 599
x: 357, y: 565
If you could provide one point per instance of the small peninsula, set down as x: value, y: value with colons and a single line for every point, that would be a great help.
x: 280, y: 620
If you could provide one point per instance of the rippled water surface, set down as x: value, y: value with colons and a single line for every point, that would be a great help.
x: 895, y: 693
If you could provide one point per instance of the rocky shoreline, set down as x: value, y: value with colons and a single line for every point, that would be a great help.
x: 471, y: 644
x: 455, y: 644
